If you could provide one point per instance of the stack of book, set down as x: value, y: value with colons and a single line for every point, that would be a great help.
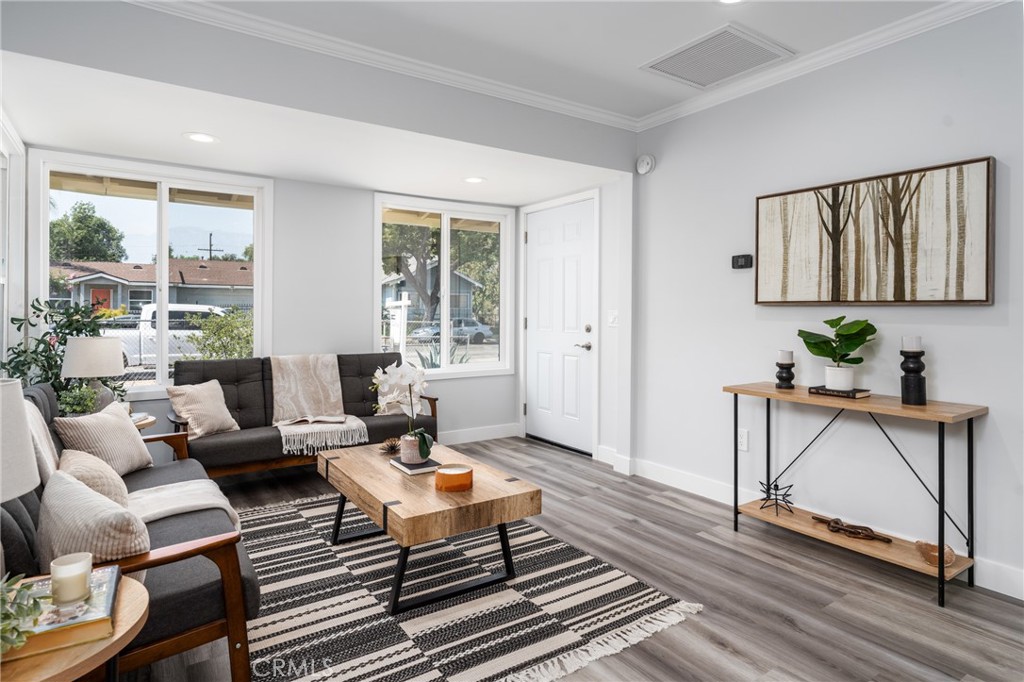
x: 838, y: 393
x: 425, y: 467
x: 60, y: 626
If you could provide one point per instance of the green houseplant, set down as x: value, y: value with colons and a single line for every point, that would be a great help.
x: 80, y: 399
x: 18, y: 606
x: 846, y: 339
x: 38, y: 359
x: 402, y: 388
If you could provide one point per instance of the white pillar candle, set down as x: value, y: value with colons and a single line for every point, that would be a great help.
x: 786, y: 357
x: 69, y: 577
x: 912, y: 343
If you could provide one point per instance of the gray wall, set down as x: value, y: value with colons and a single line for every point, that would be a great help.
x: 950, y: 94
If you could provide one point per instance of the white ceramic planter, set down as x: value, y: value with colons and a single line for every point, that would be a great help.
x: 839, y: 378
x: 410, y: 451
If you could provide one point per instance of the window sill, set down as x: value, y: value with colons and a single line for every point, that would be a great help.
x: 137, y: 393
x: 451, y: 373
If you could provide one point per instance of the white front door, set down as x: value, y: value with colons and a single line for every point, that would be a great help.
x: 561, y: 312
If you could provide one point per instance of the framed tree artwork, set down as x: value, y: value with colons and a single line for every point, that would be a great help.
x: 917, y: 237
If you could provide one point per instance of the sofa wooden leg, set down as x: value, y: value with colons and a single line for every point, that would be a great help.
x: 226, y: 559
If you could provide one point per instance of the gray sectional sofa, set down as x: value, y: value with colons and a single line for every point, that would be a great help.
x: 196, y: 558
x: 249, y: 394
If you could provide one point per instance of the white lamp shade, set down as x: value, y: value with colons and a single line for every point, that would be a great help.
x: 88, y: 357
x: 18, y: 470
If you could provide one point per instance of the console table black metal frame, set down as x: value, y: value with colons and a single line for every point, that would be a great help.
x: 941, y: 413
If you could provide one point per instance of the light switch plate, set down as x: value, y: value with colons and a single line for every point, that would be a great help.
x: 613, y: 318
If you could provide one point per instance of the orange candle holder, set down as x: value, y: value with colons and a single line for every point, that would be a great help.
x: 453, y: 478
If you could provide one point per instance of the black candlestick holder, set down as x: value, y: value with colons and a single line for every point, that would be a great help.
x: 912, y: 383
x: 785, y: 374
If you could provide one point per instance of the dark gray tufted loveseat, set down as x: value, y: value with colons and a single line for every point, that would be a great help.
x: 249, y: 393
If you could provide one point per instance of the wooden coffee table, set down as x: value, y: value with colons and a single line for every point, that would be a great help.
x: 411, y: 511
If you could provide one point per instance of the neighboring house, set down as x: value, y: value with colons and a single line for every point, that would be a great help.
x: 461, y: 289
x: 112, y: 285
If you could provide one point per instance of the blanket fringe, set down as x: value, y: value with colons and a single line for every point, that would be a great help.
x: 311, y: 441
x: 609, y: 644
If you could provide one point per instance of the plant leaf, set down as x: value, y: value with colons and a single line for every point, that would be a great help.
x: 836, y: 321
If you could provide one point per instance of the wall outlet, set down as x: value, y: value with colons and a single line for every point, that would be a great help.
x: 741, y: 438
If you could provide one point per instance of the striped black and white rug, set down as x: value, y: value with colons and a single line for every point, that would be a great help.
x: 323, y: 614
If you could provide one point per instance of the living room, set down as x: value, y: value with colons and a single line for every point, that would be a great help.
x: 943, y: 91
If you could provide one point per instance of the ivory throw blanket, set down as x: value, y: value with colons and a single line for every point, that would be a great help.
x: 150, y: 504
x: 309, y: 410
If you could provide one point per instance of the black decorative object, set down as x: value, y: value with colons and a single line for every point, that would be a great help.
x: 785, y: 374
x: 774, y: 496
x: 912, y: 383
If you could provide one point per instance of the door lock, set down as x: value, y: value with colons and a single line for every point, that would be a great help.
x: 586, y: 328
x: 584, y: 346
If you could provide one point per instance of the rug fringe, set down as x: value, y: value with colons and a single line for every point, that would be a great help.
x: 609, y: 644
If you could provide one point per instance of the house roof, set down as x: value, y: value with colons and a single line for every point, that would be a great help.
x: 182, y: 272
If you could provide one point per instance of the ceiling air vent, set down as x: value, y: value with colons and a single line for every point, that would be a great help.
x: 719, y: 56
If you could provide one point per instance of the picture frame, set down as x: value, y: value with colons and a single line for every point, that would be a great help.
x: 916, y: 237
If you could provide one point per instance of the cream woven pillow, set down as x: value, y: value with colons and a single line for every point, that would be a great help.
x: 110, y: 435
x: 75, y: 518
x: 42, y: 442
x: 204, y: 407
x: 95, y: 473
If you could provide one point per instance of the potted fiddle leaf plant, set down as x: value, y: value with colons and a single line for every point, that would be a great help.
x: 846, y: 339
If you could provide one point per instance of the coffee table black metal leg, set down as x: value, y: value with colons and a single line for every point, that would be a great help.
x: 395, y: 606
x: 337, y: 538
x: 111, y: 669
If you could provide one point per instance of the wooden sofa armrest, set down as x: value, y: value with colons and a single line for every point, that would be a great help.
x: 177, y: 441
x: 432, y: 401
x: 172, y: 553
x: 179, y: 422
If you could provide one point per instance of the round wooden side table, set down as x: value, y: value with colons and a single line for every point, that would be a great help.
x: 130, y: 612
x: 145, y: 423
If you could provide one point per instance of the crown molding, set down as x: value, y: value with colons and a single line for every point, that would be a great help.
x: 913, y: 25
x: 10, y: 135
x: 279, y: 32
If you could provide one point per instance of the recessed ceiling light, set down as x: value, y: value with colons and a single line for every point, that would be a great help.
x: 476, y: 180
x: 205, y: 138
x: 728, y: 2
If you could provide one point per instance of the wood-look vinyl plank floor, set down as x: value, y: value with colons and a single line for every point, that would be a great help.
x: 777, y: 606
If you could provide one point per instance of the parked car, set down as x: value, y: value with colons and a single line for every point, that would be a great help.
x: 462, y: 328
x: 138, y: 332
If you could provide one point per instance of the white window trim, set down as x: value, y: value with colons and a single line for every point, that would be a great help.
x: 506, y: 327
x: 14, y: 290
x: 42, y: 161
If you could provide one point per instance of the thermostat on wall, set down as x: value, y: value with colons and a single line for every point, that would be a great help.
x: 741, y: 262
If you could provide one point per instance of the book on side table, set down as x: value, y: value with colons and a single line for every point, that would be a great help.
x: 424, y: 467
x: 853, y: 393
x: 77, y: 623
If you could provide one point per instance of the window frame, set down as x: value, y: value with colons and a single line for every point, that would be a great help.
x: 41, y: 162
x: 506, y: 216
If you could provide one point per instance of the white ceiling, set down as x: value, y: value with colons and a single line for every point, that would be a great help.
x: 580, y: 58
x: 143, y: 119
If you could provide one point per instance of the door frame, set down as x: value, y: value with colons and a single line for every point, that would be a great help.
x: 524, y: 211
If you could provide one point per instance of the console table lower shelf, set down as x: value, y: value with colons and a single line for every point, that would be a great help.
x: 900, y: 552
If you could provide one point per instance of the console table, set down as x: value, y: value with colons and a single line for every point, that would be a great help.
x: 900, y: 552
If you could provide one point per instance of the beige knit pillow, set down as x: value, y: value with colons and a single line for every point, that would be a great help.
x: 110, y: 435
x: 42, y: 442
x: 95, y: 473
x: 204, y: 407
x: 75, y: 518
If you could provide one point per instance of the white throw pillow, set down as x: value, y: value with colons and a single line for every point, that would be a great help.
x: 204, y: 407
x: 95, y: 473
x: 110, y: 435
x: 42, y: 442
x: 75, y: 518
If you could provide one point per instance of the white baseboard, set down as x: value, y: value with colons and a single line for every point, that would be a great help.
x: 479, y: 433
x: 691, y: 483
x: 607, y: 455
x: 991, y: 575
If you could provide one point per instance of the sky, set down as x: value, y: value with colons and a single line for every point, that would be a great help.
x: 190, y: 225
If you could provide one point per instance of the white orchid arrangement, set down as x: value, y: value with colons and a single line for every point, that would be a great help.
x: 403, y: 386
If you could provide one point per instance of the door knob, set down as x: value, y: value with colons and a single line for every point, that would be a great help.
x: 584, y: 346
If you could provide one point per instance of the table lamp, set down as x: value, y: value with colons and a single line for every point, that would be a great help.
x: 19, y: 473
x: 90, y: 357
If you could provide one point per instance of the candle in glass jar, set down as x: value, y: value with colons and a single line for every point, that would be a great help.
x: 786, y: 357
x: 69, y: 577
x: 912, y: 343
